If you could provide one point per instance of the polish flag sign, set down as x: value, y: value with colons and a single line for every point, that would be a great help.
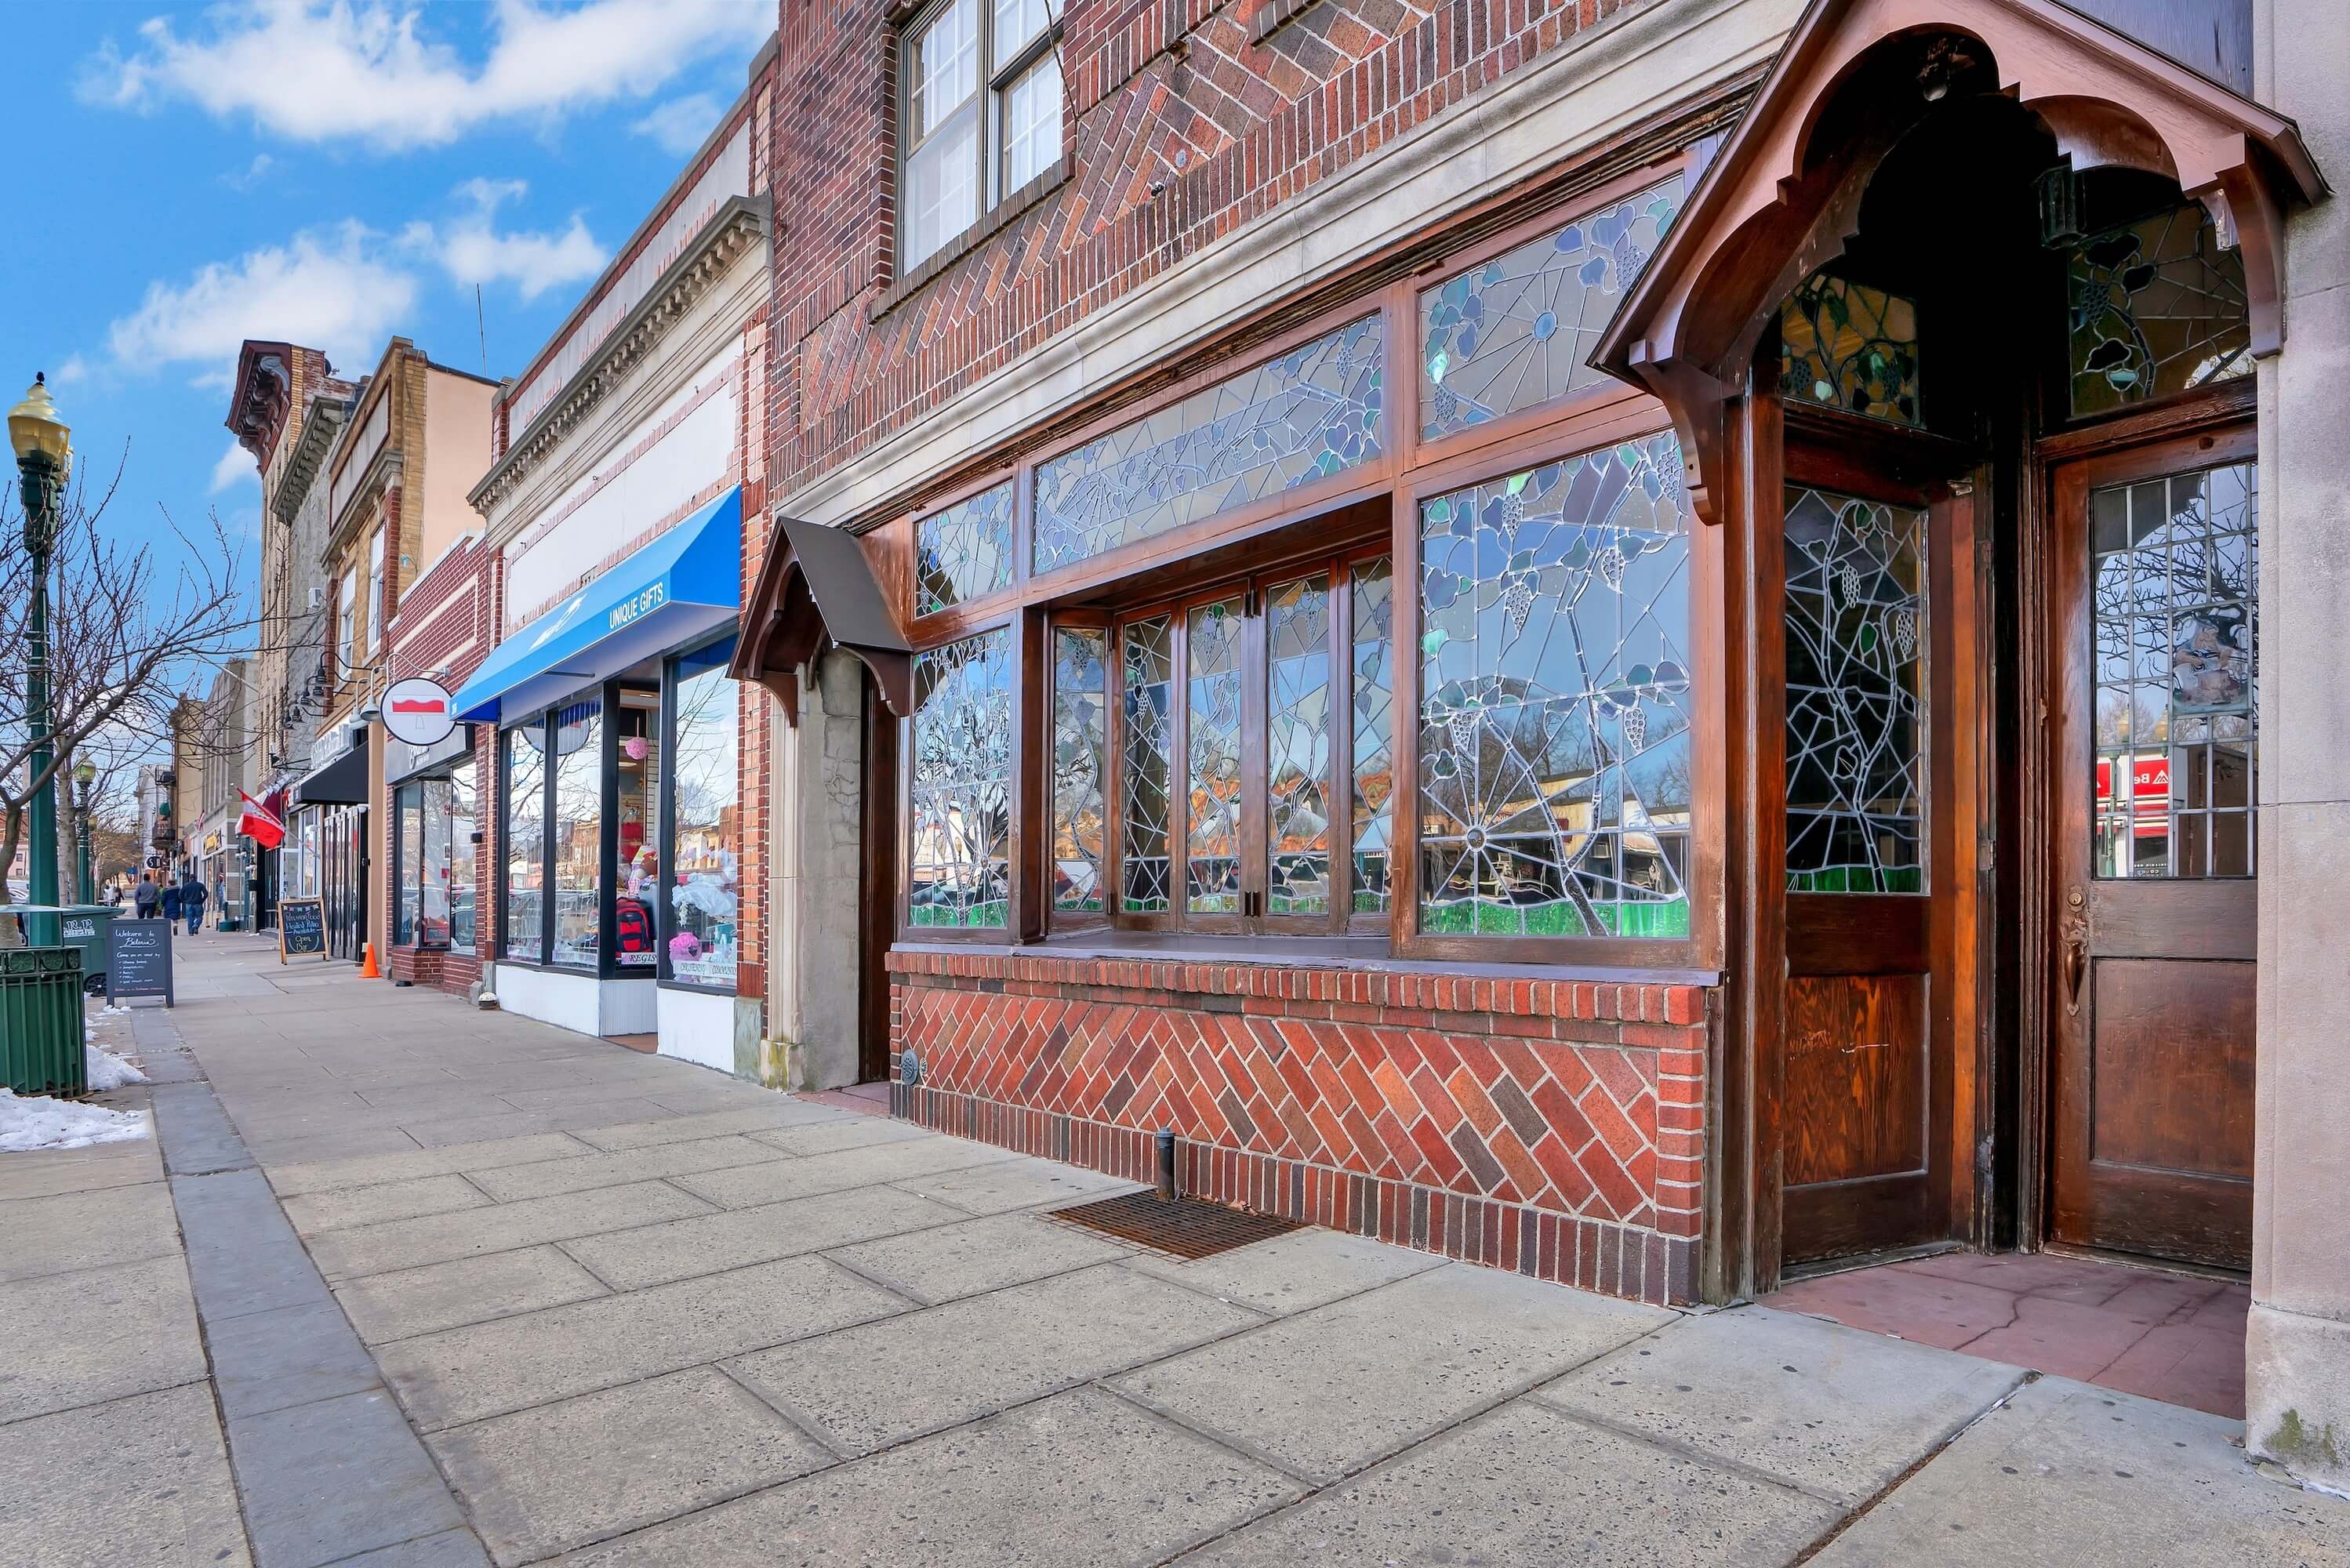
x: 260, y: 824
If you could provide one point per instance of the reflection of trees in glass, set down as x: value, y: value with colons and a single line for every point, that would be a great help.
x: 2156, y: 307
x: 703, y: 885
x: 579, y: 834
x: 525, y: 843
x: 962, y: 791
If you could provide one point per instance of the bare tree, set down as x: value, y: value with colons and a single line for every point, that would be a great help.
x: 124, y: 630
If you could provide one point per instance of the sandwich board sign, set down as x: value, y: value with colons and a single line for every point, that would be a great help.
x: 138, y: 960
x: 301, y: 927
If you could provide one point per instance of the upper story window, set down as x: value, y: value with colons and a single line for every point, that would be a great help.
x: 981, y: 114
x: 347, y: 622
x: 375, y: 592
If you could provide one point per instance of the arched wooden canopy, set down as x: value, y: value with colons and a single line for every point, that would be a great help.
x: 817, y: 590
x: 1785, y: 193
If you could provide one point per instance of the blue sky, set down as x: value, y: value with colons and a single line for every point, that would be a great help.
x: 333, y: 174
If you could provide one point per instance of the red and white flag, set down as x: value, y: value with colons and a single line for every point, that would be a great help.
x: 259, y: 824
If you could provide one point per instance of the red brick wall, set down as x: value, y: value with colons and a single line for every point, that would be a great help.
x: 1549, y: 1127
x: 1178, y: 129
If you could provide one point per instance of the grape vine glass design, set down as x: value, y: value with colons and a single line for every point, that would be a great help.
x: 1080, y: 750
x: 963, y: 552
x: 1518, y: 330
x: 1855, y: 639
x: 1313, y: 412
x: 1297, y: 747
x: 1212, y: 736
x: 961, y: 790
x: 1554, y: 699
x: 1147, y: 750
x: 2174, y: 613
x: 1851, y: 348
x: 1374, y: 762
x: 2156, y: 307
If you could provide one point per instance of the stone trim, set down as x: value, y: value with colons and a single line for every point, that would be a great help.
x: 738, y: 226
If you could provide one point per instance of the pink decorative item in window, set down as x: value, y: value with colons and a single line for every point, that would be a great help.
x: 636, y: 746
x: 684, y: 947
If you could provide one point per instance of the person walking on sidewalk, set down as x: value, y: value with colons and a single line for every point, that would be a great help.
x: 145, y: 897
x: 192, y: 900
x: 169, y: 900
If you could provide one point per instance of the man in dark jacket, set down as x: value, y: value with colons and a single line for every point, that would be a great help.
x: 169, y: 900
x: 191, y: 902
x: 145, y: 897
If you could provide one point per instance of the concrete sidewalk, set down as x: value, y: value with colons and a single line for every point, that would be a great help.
x: 555, y: 1300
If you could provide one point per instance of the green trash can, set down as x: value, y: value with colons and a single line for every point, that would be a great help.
x: 86, y: 926
x: 40, y: 1021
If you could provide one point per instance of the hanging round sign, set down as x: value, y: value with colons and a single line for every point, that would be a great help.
x: 419, y: 712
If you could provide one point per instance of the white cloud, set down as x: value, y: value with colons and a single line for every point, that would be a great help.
x: 234, y: 467
x: 246, y: 179
x: 370, y: 71
x: 472, y: 250
x: 680, y: 124
x: 330, y: 287
x: 73, y: 369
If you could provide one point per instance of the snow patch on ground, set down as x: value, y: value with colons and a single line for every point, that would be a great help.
x: 108, y: 1071
x: 39, y: 1122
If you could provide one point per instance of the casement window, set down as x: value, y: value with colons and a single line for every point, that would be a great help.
x: 981, y: 115
x: 347, y: 622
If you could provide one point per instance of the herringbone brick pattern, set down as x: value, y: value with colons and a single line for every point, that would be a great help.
x: 1550, y: 1099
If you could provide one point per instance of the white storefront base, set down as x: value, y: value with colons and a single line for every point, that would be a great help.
x: 698, y: 1027
x: 580, y: 1002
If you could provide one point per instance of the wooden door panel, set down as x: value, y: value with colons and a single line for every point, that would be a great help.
x: 2171, y: 1075
x: 1857, y: 1084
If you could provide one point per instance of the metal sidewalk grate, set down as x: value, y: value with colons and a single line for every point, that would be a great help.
x: 1181, y: 1227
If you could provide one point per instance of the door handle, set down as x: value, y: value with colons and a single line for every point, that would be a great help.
x: 2076, y: 966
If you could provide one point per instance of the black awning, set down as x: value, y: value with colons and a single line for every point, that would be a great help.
x: 343, y: 782
x: 817, y: 587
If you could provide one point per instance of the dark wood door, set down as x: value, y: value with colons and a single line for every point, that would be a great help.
x: 2154, y: 588
x: 877, y: 890
x: 1875, y: 617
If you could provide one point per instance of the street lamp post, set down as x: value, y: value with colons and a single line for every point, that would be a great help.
x: 43, y: 458
x: 85, y: 776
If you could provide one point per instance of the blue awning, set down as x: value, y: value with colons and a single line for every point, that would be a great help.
x: 688, y: 581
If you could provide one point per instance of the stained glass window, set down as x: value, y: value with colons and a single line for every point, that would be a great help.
x: 1147, y: 750
x: 1519, y: 330
x: 1856, y: 632
x: 1554, y: 699
x: 1850, y: 346
x: 1297, y: 747
x: 1080, y: 754
x: 2156, y: 307
x: 1373, y: 759
x: 1313, y: 412
x: 962, y: 793
x: 1213, y: 787
x: 2176, y: 602
x: 963, y: 552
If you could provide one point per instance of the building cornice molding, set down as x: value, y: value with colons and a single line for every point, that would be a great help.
x: 307, y: 461
x: 736, y: 228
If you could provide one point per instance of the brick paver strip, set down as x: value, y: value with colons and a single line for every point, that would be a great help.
x: 326, y: 1467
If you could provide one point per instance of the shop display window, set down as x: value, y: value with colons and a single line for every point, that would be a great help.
x: 703, y: 865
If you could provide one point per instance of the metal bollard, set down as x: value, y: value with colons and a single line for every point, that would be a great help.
x: 1167, y: 1164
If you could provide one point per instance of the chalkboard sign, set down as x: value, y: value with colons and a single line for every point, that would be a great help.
x: 301, y: 927
x: 138, y: 960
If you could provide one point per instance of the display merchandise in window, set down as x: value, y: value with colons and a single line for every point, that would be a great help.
x: 578, y: 859
x: 638, y: 768
x: 705, y: 889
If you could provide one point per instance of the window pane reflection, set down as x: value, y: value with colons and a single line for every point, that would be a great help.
x: 705, y: 882
x: 525, y: 843
x: 578, y: 830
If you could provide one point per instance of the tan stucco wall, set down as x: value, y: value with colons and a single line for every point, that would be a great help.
x: 456, y: 450
x: 2297, y: 1359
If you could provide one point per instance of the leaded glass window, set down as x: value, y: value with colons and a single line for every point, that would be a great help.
x: 1297, y: 747
x: 1373, y: 732
x: 1311, y: 413
x: 1518, y: 330
x: 1850, y: 346
x: 1554, y: 782
x: 2176, y: 600
x: 963, y: 552
x: 1856, y: 642
x: 1080, y: 760
x: 2156, y: 307
x: 1147, y: 648
x: 961, y: 788
x: 1213, y: 785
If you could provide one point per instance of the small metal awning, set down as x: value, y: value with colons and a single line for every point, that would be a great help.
x: 688, y: 580
x: 342, y: 782
x: 817, y: 590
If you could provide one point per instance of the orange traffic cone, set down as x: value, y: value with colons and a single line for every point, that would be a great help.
x: 367, y: 969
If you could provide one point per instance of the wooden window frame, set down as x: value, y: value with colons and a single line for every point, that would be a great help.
x: 993, y: 83
x: 1262, y: 542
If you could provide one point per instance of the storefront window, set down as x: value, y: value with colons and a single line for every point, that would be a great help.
x: 525, y: 843
x: 433, y: 867
x: 577, y: 830
x: 637, y: 768
x: 704, y: 863
x: 408, y: 861
x: 962, y: 783
x: 459, y: 889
